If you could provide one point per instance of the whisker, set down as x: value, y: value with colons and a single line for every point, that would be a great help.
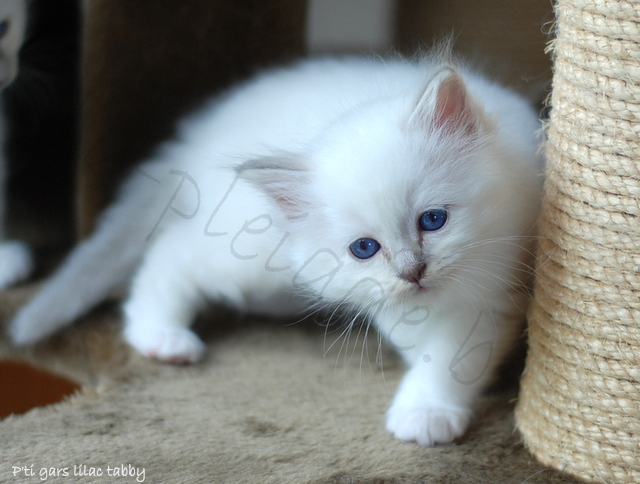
x: 490, y: 275
x: 507, y: 240
x: 513, y: 286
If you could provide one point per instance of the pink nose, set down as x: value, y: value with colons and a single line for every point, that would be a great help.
x: 414, y: 274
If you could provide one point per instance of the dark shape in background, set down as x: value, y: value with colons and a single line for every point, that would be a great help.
x: 41, y: 107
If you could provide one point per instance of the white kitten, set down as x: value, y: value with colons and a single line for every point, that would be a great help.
x: 15, y: 257
x: 404, y: 191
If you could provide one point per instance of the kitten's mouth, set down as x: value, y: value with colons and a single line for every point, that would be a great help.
x: 419, y: 287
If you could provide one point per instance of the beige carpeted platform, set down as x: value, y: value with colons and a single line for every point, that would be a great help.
x: 267, y: 405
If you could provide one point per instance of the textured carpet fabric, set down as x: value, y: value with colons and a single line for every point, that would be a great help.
x: 274, y: 401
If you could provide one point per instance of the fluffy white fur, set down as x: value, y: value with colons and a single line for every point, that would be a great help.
x: 15, y: 256
x: 259, y: 198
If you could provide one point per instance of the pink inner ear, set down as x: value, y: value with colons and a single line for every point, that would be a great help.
x: 452, y: 110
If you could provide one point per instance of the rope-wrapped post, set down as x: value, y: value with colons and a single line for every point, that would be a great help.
x: 579, y: 406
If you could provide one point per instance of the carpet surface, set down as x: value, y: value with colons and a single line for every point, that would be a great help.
x: 273, y: 402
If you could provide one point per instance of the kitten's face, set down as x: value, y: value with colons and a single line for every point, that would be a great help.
x: 397, y: 202
x: 12, y: 25
x: 397, y: 209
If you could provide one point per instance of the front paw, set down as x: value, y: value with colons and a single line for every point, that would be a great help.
x: 427, y: 425
x: 168, y: 344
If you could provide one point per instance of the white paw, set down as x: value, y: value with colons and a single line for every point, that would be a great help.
x: 15, y: 263
x: 166, y: 343
x: 427, y: 425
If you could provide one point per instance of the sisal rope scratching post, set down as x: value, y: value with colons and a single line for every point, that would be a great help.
x: 579, y: 407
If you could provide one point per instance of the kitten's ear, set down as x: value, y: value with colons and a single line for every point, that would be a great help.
x: 283, y: 178
x: 446, y: 105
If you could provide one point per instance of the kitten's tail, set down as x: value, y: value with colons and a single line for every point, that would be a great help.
x: 96, y: 266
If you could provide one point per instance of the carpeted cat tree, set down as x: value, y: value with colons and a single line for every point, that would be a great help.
x: 279, y: 402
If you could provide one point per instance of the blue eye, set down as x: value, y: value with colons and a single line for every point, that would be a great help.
x: 365, y: 248
x: 433, y: 220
